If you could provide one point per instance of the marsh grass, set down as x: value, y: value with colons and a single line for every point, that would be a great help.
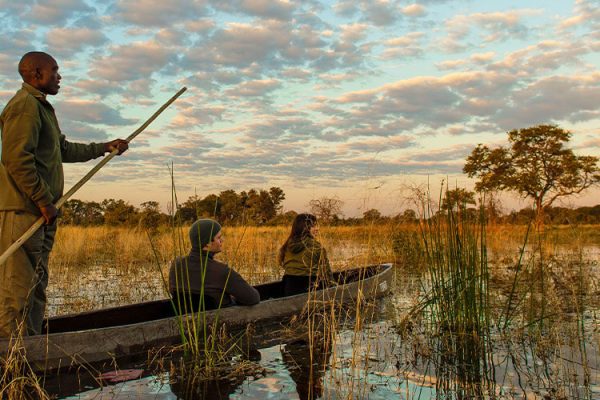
x: 456, y: 301
x: 18, y: 381
x: 519, y: 327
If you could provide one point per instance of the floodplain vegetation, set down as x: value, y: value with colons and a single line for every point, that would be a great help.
x: 477, y: 311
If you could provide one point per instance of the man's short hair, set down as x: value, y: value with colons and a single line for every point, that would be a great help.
x: 30, y: 61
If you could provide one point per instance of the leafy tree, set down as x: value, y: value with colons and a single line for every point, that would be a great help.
x: 231, y: 207
x: 94, y: 213
x: 119, y: 212
x: 285, y: 218
x: 458, y: 199
x: 72, y: 212
x: 79, y: 212
x: 535, y: 165
x: 372, y: 215
x: 150, y: 216
x: 408, y: 216
x: 492, y: 206
x: 186, y: 212
x: 260, y: 207
x: 195, y: 207
x: 522, y: 216
x: 277, y: 197
x: 252, y: 207
x: 209, y: 207
x: 327, y: 209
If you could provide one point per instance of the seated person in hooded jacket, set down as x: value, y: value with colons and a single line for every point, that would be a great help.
x: 199, y: 282
x: 303, y: 258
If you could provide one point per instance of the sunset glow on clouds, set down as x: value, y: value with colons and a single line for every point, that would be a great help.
x: 355, y: 99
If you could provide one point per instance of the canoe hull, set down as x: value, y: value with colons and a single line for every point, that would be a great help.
x: 64, y: 349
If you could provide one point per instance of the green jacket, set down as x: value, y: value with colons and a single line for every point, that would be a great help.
x: 306, y: 258
x: 33, y: 150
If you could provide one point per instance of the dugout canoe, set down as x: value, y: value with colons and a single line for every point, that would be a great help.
x: 117, y: 332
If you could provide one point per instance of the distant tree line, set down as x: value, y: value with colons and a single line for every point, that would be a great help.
x: 252, y: 207
x: 536, y: 164
x: 113, y: 212
x: 556, y: 215
x: 263, y: 207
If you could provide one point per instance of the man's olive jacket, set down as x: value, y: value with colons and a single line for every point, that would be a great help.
x: 33, y: 150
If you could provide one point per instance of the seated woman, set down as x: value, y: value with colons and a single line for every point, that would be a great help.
x: 303, y: 258
x: 199, y: 282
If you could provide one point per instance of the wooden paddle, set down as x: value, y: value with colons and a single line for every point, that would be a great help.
x: 19, y: 242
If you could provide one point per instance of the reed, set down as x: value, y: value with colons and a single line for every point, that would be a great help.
x: 208, y: 347
x: 458, y: 274
x: 456, y: 299
x: 18, y: 381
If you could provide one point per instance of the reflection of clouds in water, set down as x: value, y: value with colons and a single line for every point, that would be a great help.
x: 277, y: 381
x: 267, y: 386
x: 150, y: 386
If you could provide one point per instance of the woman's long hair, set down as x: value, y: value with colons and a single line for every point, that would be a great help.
x: 300, y: 230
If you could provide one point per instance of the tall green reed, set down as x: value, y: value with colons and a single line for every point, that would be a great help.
x: 456, y: 252
x: 457, y: 298
x: 206, y: 344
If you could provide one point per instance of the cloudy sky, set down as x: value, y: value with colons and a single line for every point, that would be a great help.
x: 354, y: 99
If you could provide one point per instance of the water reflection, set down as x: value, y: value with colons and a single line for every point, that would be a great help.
x: 385, y: 359
x: 307, y: 365
x: 188, y: 388
x: 463, y: 368
x: 190, y: 381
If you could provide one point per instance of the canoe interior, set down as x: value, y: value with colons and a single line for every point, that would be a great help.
x: 159, y: 309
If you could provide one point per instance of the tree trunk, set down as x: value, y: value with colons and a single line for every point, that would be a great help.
x: 539, y: 213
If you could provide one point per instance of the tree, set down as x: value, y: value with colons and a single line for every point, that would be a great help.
x: 327, y: 209
x: 79, y: 212
x: 277, y: 197
x: 119, y: 212
x: 93, y: 213
x: 260, y: 207
x: 492, y: 206
x: 231, y: 207
x: 535, y: 165
x: 150, y: 216
x: 284, y: 219
x: 408, y: 216
x: 457, y: 199
x: 72, y: 212
x: 372, y: 215
x: 195, y: 207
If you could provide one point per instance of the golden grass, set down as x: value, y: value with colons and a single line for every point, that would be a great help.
x: 96, y: 267
x: 252, y: 251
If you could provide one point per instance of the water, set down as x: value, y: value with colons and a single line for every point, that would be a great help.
x: 386, y: 359
x: 288, y: 376
x: 380, y: 362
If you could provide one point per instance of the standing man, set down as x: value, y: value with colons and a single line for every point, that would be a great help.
x: 31, y: 182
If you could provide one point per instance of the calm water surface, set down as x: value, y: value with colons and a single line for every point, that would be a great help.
x: 379, y: 361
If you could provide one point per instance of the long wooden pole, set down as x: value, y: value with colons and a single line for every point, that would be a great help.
x: 40, y: 221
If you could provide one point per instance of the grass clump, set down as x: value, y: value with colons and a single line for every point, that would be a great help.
x: 18, y: 380
x: 456, y: 301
